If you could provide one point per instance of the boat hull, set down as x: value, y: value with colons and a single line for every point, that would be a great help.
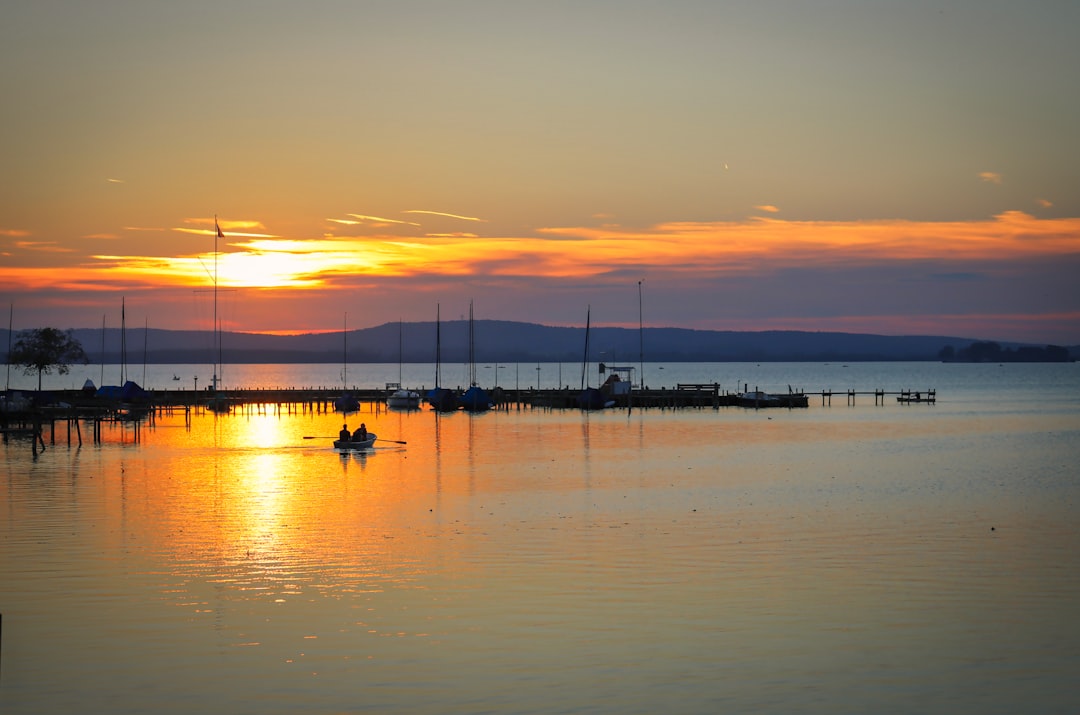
x: 475, y: 399
x: 592, y: 399
x: 757, y: 400
x: 354, y: 445
x: 442, y: 400
x: 346, y: 404
x: 404, y: 400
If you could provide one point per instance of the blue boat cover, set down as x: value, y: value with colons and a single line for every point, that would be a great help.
x: 129, y: 392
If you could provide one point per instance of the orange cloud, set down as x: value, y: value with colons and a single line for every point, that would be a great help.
x: 990, y: 177
x: 706, y: 249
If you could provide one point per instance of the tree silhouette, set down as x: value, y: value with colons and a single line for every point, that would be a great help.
x: 42, y: 349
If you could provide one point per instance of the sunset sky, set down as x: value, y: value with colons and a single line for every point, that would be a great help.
x: 871, y: 166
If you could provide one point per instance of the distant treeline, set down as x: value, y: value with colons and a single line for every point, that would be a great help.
x: 989, y: 351
x: 514, y: 342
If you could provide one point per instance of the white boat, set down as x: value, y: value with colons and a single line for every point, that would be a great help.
x: 356, y: 444
x: 402, y: 399
x: 757, y: 398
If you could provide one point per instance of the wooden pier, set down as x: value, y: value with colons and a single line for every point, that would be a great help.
x: 73, y: 407
x: 902, y: 396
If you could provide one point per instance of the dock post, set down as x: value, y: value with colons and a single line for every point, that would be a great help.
x: 37, y: 438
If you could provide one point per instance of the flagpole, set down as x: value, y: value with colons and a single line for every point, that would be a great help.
x: 217, y: 328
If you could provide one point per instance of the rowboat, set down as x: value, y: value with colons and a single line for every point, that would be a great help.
x: 356, y: 444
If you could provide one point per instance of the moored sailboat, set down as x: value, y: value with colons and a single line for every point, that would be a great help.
x: 440, y: 398
x: 590, y: 398
x: 475, y: 399
x: 346, y: 403
x: 401, y: 398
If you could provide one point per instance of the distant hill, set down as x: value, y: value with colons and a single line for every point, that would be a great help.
x: 507, y: 341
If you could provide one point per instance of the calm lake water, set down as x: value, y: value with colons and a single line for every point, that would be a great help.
x: 835, y: 559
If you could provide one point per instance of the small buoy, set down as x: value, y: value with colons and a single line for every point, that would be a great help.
x: 991, y: 528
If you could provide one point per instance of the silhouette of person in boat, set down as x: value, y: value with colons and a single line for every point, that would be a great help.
x: 360, y: 435
x: 344, y: 434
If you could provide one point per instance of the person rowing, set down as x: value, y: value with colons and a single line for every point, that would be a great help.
x: 361, y: 433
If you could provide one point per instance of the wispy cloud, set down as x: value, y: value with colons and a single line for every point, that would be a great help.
x: 447, y: 215
x: 14, y: 232
x: 229, y: 229
x: 228, y: 233
x: 43, y: 247
x: 231, y: 225
x: 115, y: 181
x: 990, y: 177
x: 1044, y: 203
x: 768, y: 208
x: 381, y: 219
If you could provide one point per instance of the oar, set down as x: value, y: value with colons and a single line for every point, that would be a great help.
x: 377, y: 439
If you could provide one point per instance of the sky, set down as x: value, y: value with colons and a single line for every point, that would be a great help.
x: 869, y: 166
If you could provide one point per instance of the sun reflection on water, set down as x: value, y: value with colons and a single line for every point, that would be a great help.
x: 234, y: 550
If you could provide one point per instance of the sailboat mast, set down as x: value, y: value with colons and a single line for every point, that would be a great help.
x: 344, y: 351
x: 585, y: 358
x: 102, y: 382
x: 217, y: 328
x: 145, y: 341
x: 641, y: 340
x: 123, y: 343
x: 472, y: 349
x: 11, y: 325
x: 438, y: 346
